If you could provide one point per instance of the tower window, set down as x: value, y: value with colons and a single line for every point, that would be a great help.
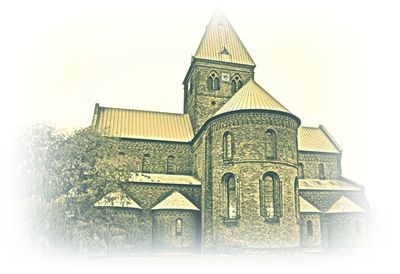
x: 213, y: 82
x: 270, y: 197
x: 270, y: 150
x: 146, y: 163
x: 301, y: 170
x: 178, y: 227
x: 171, y: 164
x: 296, y: 198
x: 231, y: 196
x: 310, y: 229
x: 321, y: 170
x: 227, y: 146
x: 236, y: 83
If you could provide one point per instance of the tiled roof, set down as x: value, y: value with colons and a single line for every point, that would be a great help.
x: 305, y: 206
x: 221, y: 43
x: 175, y: 201
x: 251, y: 96
x: 316, y: 139
x: 328, y: 184
x: 117, y: 199
x: 164, y: 179
x: 138, y: 124
x: 344, y: 205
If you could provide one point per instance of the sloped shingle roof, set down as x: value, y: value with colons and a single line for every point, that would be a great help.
x: 221, y: 43
x: 344, y: 205
x: 175, y: 179
x: 326, y: 184
x: 316, y: 139
x: 251, y: 96
x: 175, y: 201
x: 117, y: 199
x: 306, y: 206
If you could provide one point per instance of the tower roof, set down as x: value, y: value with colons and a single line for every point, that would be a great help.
x: 251, y: 96
x: 221, y: 43
x: 175, y: 201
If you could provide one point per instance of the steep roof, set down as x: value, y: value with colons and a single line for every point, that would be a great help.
x: 175, y: 201
x: 221, y: 43
x: 139, y: 124
x: 317, y: 139
x: 251, y: 96
x: 344, y: 205
x: 174, y: 179
x: 327, y: 184
x: 306, y: 206
x: 117, y: 199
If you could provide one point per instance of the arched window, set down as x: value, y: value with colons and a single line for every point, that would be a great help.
x: 146, y: 163
x: 321, y: 169
x: 236, y: 83
x: 228, y: 146
x: 270, y: 197
x: 178, y: 227
x: 301, y: 171
x: 296, y: 198
x: 357, y: 226
x: 213, y: 82
x: 310, y: 229
x: 231, y: 196
x: 270, y: 144
x: 171, y: 164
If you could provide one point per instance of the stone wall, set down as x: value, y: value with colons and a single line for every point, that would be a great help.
x: 310, y: 239
x: 165, y: 234
x: 159, y: 152
x: 323, y: 200
x: 346, y: 229
x: 311, y: 161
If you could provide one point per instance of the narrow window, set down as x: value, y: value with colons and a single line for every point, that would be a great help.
x: 236, y: 83
x: 216, y: 83
x: 233, y: 86
x: 270, y: 197
x: 270, y: 144
x: 357, y: 225
x: 240, y: 84
x: 296, y: 198
x: 301, y: 171
x: 171, y: 164
x: 321, y: 168
x: 146, y: 163
x: 231, y: 197
x: 310, y: 229
x: 227, y: 146
x: 210, y: 83
x: 178, y: 227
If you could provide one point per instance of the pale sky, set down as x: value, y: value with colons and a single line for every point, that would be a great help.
x: 329, y: 62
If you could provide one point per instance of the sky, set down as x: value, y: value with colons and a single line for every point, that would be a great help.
x: 329, y: 62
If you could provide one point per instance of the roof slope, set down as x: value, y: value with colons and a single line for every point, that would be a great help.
x: 316, y: 139
x: 175, y: 201
x: 139, y: 124
x: 251, y: 96
x: 306, y: 206
x: 221, y: 43
x: 117, y: 199
x: 327, y: 184
x: 175, y: 179
x: 344, y: 205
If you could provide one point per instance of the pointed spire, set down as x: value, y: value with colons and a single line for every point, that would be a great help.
x: 221, y: 43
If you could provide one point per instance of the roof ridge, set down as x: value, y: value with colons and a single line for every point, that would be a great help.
x: 142, y: 110
x: 330, y: 137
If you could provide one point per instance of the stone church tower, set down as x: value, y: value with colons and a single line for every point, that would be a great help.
x: 235, y: 171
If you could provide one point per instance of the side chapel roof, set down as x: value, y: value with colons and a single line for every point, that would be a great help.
x: 175, y: 201
x: 117, y: 199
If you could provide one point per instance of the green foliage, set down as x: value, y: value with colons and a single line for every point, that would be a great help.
x: 63, y: 175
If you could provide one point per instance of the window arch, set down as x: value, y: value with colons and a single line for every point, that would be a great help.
x: 227, y: 146
x: 213, y: 82
x: 310, y: 229
x: 231, y: 197
x: 270, y: 197
x: 236, y: 83
x: 270, y: 144
x: 178, y: 227
x: 301, y: 170
x: 146, y: 163
x: 171, y: 168
x: 321, y: 171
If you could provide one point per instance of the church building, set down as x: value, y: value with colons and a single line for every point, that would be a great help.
x: 235, y: 171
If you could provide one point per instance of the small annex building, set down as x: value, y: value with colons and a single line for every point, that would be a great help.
x: 236, y: 170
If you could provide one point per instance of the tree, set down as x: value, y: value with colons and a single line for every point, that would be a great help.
x: 63, y: 175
